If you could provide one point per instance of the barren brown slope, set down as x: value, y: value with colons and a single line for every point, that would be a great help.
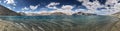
x: 116, y: 27
x: 7, y: 12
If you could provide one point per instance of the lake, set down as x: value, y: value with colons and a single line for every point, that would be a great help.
x: 57, y: 23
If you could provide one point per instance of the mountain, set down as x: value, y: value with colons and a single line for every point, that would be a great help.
x: 82, y: 13
x: 58, y: 13
x: 7, y: 12
x: 54, y: 13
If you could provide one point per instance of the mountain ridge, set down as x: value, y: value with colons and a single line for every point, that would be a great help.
x: 7, y: 12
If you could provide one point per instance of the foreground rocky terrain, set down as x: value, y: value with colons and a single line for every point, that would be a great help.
x: 117, y: 25
x: 57, y: 23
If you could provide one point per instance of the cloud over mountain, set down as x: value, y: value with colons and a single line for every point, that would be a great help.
x: 34, y: 7
x: 10, y: 2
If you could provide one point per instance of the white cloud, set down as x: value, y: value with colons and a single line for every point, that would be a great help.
x: 92, y: 7
x: 13, y: 7
x: 25, y: 8
x: 5, y: 1
x: 52, y: 5
x: 34, y: 7
x: 0, y: 1
x: 80, y: 10
x: 31, y: 7
x: 10, y: 2
x: 9, y: 7
x: 79, y: 0
x: 67, y: 7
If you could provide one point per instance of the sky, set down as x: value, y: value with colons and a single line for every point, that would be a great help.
x: 51, y: 5
x: 19, y: 4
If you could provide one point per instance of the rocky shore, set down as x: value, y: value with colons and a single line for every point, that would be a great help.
x: 117, y: 25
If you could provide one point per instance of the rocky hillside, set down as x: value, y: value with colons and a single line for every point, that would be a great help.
x: 116, y: 27
x: 116, y: 14
x: 82, y: 13
x: 7, y: 12
x: 58, y: 13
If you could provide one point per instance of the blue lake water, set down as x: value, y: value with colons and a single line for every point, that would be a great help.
x: 59, y: 23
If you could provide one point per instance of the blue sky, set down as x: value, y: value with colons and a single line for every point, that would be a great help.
x: 19, y: 4
x: 43, y: 3
x: 49, y: 5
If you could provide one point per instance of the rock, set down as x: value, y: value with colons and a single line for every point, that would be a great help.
x: 7, y: 12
